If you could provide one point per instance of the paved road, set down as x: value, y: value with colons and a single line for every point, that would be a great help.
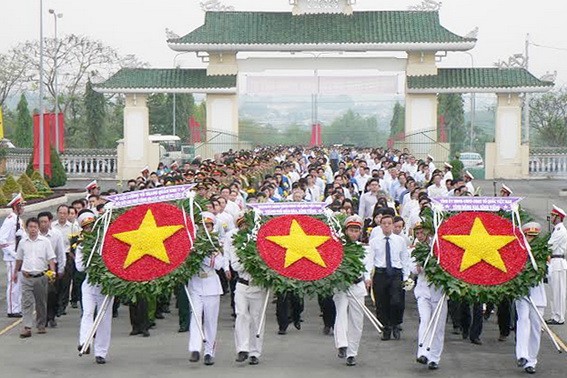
x: 300, y: 353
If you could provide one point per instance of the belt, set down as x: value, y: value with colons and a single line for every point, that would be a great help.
x: 206, y: 274
x: 557, y: 256
x: 358, y: 280
x: 383, y: 270
x: 243, y: 281
x: 29, y: 275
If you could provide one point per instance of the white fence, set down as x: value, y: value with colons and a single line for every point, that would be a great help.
x: 548, y: 162
x: 78, y: 163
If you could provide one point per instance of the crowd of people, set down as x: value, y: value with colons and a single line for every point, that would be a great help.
x: 384, y: 194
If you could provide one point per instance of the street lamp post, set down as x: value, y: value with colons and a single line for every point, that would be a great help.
x: 55, y: 84
x: 41, y: 133
x: 473, y: 106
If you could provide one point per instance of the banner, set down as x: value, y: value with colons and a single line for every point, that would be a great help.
x: 46, y: 144
x: 1, y: 124
x: 316, y: 135
x: 52, y: 128
x: 141, y: 197
x: 476, y: 203
x: 289, y: 208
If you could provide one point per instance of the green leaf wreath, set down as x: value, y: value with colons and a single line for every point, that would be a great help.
x: 459, y: 290
x: 350, y: 269
x: 130, y: 291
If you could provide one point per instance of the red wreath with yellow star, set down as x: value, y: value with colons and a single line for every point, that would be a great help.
x: 299, y: 253
x: 148, y: 250
x: 482, y: 257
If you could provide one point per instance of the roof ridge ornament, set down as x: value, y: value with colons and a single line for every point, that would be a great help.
x: 214, y: 6
x: 301, y: 7
x: 515, y: 61
x: 473, y: 34
x: 426, y: 6
x: 549, y: 76
x: 170, y: 34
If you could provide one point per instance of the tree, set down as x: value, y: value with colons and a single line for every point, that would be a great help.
x: 161, y: 114
x: 548, y: 119
x: 13, y: 72
x: 23, y: 135
x: 95, y: 116
x: 451, y: 108
x: 398, y: 122
x: 352, y: 128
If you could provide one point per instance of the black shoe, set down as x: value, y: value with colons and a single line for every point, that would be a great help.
x: 342, y: 352
x: 433, y: 366
x: 502, y: 338
x: 241, y: 356
x: 326, y: 330
x: 52, y: 324
x: 88, y: 351
x: 208, y: 360
x: 166, y: 310
x: 74, y: 305
x: 15, y: 315
x: 297, y: 324
x: 195, y: 356
x: 135, y: 332
x: 146, y: 333
x: 465, y: 335
x: 183, y: 329
x: 530, y: 370
x: 254, y: 360
x: 522, y: 362
x: 457, y: 330
x: 114, y: 314
x: 100, y: 360
x: 552, y: 322
x: 476, y: 341
x: 350, y: 361
x: 386, y: 334
x: 396, y: 333
x: 422, y: 360
x: 159, y: 315
x: 282, y: 332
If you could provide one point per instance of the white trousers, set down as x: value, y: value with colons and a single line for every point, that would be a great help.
x: 558, y: 283
x: 13, y: 290
x: 426, y: 307
x: 92, y: 300
x: 528, y: 331
x: 349, y: 320
x: 207, y: 306
x: 249, y: 302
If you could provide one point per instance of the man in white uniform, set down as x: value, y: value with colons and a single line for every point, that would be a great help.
x: 558, y: 267
x: 350, y: 317
x: 249, y: 300
x: 528, y: 325
x: 11, y: 232
x: 92, y: 298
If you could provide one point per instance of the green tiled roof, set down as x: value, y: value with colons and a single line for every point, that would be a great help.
x: 162, y: 80
x: 279, y: 28
x: 477, y: 80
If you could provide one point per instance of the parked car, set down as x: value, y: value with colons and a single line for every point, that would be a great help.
x: 471, y: 160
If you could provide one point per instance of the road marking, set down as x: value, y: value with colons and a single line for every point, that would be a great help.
x: 11, y: 326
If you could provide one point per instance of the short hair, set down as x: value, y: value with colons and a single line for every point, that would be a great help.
x: 397, y: 219
x: 62, y: 206
x: 45, y: 214
x: 32, y: 220
x: 387, y: 216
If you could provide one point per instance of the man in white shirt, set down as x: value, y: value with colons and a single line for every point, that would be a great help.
x: 11, y: 232
x: 56, y: 240
x: 66, y: 228
x: 468, y: 177
x: 34, y: 256
x: 437, y: 189
x: 448, y: 175
x: 362, y: 178
x: 392, y: 267
x: 368, y: 200
x: 558, y: 267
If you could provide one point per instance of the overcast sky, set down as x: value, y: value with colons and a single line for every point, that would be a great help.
x: 138, y: 26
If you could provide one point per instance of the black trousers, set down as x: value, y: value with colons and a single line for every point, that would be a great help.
x: 139, y: 315
x: 389, y: 296
x: 64, y: 288
x: 327, y: 305
x: 76, y: 293
x: 505, y: 317
x: 455, y: 313
x: 474, y: 329
x: 288, y: 304
x: 52, y: 303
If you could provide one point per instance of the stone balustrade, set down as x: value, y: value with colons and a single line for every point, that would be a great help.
x: 551, y: 163
x: 78, y: 163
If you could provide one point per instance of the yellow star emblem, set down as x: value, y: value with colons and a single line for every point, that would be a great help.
x: 299, y: 245
x: 479, y: 246
x: 147, y: 240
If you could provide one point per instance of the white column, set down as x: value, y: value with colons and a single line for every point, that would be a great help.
x: 507, y: 158
x: 222, y: 123
x: 136, y: 150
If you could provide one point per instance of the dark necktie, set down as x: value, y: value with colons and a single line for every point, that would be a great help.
x: 389, y: 270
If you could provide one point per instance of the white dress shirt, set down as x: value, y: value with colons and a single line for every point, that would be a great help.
x: 399, y: 255
x: 56, y: 240
x: 35, y: 254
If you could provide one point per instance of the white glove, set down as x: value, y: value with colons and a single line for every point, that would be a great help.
x: 408, y: 284
x: 21, y: 233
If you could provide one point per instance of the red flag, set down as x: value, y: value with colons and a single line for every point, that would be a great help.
x: 46, y: 144
x: 194, y: 130
x: 316, y: 137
